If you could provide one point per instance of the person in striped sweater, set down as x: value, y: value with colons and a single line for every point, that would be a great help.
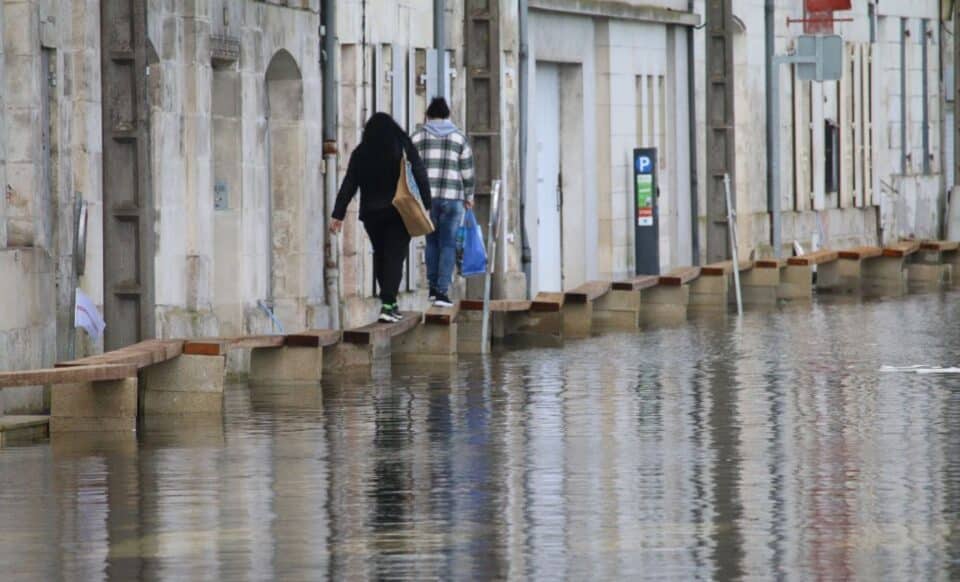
x: 448, y: 158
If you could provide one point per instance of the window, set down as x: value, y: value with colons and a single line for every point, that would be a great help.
x: 831, y: 151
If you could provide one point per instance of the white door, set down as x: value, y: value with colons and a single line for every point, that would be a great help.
x: 548, y: 252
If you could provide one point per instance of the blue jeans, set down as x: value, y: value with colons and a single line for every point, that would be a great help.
x: 442, y: 242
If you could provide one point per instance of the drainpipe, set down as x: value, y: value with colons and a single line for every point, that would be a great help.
x: 524, y: 85
x: 330, y: 106
x: 440, y: 41
x: 692, y: 137
x: 773, y: 136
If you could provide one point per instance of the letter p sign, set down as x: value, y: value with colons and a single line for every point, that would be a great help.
x: 644, y: 165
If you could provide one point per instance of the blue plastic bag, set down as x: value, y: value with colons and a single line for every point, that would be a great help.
x: 474, y: 253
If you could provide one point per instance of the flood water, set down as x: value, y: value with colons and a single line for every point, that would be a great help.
x: 772, y: 449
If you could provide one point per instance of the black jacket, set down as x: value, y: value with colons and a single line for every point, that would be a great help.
x: 376, y: 174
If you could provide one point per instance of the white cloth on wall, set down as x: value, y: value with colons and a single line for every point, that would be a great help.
x: 88, y: 317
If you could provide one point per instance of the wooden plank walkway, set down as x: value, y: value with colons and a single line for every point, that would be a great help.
x: 547, y: 302
x: 68, y: 375
x: 313, y: 338
x: 679, y: 277
x: 724, y: 268
x: 220, y: 346
x: 860, y: 253
x: 815, y: 258
x: 943, y: 246
x: 587, y: 292
x: 441, y: 315
x: 504, y: 305
x: 768, y: 264
x: 638, y: 283
x: 377, y: 331
x: 901, y: 249
x: 141, y: 355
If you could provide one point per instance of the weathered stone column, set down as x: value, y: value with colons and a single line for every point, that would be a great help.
x: 183, y: 385
x: 94, y: 406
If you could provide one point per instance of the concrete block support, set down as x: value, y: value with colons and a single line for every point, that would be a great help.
x: 710, y: 293
x: 94, y: 406
x: 286, y: 365
x: 469, y: 330
x: 577, y: 319
x: 828, y: 276
x: 796, y: 283
x: 759, y: 286
x: 884, y: 276
x: 665, y: 305
x: 539, y: 328
x: 185, y: 384
x: 617, y: 310
x: 952, y: 259
x: 349, y: 355
x: 926, y: 277
x: 849, y: 276
x: 426, y: 343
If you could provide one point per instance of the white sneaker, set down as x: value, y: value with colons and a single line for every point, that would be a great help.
x: 386, y: 316
x: 442, y: 301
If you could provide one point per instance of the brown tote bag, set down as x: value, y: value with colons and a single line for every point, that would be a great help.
x: 408, y: 203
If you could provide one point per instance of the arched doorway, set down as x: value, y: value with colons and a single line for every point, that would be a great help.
x: 285, y: 168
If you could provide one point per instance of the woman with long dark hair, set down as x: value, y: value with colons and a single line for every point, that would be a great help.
x: 374, y: 168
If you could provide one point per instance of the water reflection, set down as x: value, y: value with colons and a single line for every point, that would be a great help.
x: 767, y: 449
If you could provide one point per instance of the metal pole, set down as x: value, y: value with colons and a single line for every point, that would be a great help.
x: 493, y: 224
x: 773, y: 149
x: 903, y: 96
x: 692, y: 137
x: 732, y: 222
x: 524, y: 89
x: 439, y: 42
x: 773, y: 127
x: 330, y: 106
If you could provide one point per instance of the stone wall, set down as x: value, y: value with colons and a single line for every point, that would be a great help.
x: 236, y: 175
x: 50, y: 155
x: 27, y: 328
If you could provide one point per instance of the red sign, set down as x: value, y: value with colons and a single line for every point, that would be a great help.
x: 826, y: 5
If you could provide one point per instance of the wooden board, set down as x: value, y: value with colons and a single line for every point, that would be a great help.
x: 313, y: 338
x: 860, y: 253
x: 496, y: 305
x: 678, y: 277
x: 943, y: 246
x: 636, y: 284
x: 67, y: 375
x: 219, y: 346
x: 141, y: 355
x: 206, y: 347
x: 901, y: 249
x: 814, y: 258
x: 723, y: 268
x: 257, y: 341
x: 767, y: 264
x: 441, y: 315
x: 373, y: 332
x: 547, y: 302
x: 587, y: 292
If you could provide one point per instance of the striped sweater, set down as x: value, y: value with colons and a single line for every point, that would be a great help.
x: 449, y: 160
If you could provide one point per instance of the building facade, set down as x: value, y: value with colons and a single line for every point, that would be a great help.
x: 194, y: 134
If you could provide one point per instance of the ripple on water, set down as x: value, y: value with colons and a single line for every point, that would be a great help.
x: 769, y: 447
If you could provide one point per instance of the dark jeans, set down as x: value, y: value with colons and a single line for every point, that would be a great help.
x: 390, y: 245
x: 442, y: 243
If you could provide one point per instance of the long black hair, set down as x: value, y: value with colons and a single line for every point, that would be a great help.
x: 382, y: 136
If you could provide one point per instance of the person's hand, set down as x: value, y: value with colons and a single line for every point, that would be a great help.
x: 468, y: 204
x: 335, y: 226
